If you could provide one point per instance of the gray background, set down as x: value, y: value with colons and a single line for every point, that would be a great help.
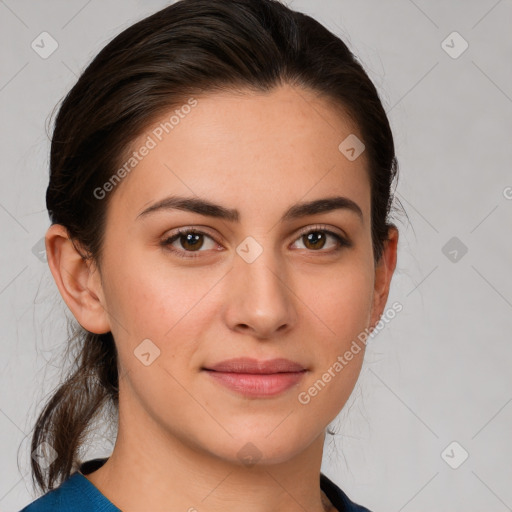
x: 440, y: 371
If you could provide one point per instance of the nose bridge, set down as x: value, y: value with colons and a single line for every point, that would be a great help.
x: 260, y: 298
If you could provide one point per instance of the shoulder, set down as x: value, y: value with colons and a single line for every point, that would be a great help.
x: 73, y: 495
x: 338, y: 498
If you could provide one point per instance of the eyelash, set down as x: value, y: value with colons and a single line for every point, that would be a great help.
x: 167, y: 243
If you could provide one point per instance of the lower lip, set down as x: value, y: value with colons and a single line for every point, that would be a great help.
x: 257, y: 385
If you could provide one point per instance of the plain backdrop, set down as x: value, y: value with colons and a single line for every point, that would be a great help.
x: 436, y: 386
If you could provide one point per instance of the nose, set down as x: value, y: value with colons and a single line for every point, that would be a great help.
x: 260, y: 299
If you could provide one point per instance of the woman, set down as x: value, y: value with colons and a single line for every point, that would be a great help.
x: 219, y: 198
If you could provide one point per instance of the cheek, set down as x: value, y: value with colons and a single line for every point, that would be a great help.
x: 340, y: 306
x: 148, y: 296
x: 166, y: 306
x: 341, y: 299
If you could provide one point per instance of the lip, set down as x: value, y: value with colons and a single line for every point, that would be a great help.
x: 257, y: 379
x: 254, y: 366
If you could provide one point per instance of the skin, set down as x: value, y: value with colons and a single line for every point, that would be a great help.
x: 179, y: 431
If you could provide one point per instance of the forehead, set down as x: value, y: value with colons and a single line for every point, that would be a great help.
x: 258, y: 150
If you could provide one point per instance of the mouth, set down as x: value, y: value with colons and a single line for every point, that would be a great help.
x: 258, y: 379
x: 254, y: 366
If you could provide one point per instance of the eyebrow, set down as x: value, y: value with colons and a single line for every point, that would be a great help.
x: 209, y: 209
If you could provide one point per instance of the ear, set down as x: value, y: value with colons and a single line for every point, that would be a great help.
x: 383, y: 274
x: 78, y: 280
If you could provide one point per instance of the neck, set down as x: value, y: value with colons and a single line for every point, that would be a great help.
x: 149, y: 470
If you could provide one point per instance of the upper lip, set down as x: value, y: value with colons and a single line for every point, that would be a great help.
x: 249, y: 365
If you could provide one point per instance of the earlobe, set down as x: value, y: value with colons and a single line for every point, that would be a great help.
x: 383, y: 274
x: 77, y: 280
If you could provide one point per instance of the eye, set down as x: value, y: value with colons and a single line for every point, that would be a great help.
x: 316, y: 238
x: 190, y: 240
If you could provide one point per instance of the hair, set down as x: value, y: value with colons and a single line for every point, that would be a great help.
x: 191, y: 47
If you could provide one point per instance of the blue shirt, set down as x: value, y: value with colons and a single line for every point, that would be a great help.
x: 78, y: 494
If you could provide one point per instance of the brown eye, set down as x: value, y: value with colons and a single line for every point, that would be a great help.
x: 316, y: 239
x: 191, y: 241
x: 188, y: 241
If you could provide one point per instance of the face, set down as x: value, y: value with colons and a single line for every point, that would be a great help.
x: 257, y: 276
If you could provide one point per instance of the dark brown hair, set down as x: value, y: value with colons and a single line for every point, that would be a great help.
x: 189, y: 48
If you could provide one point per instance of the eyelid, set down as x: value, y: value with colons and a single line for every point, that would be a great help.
x: 342, y: 239
x: 322, y: 227
x: 204, y: 230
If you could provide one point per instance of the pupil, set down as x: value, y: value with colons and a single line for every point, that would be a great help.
x: 189, y: 238
x: 315, y: 237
